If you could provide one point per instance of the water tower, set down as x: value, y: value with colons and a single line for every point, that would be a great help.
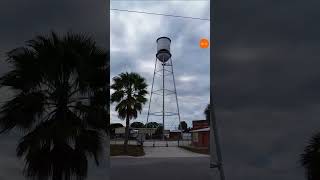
x: 164, y: 87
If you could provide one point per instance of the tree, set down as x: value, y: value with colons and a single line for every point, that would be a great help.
x: 183, y: 126
x: 207, y: 113
x: 130, y: 90
x: 59, y: 104
x: 159, y: 131
x: 188, y: 130
x: 113, y: 127
x: 152, y: 125
x: 137, y: 125
x: 310, y: 159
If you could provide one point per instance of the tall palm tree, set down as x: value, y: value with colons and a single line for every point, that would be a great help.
x: 130, y: 90
x: 310, y: 159
x: 60, y: 85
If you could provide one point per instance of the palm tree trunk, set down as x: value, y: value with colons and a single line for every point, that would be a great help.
x: 126, y: 136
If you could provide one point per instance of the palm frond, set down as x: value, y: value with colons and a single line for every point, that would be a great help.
x: 310, y: 159
x: 22, y: 111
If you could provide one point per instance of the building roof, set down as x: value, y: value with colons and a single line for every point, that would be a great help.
x: 201, y: 130
x: 174, y: 131
x: 200, y: 120
x: 121, y: 130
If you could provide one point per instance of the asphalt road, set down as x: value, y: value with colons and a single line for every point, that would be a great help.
x: 168, y: 152
x: 174, y: 168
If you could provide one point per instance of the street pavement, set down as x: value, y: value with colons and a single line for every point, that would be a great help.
x: 170, y: 168
x: 163, y: 163
x: 163, y: 152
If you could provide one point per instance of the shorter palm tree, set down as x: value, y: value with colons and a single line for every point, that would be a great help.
x: 310, y: 159
x: 130, y: 90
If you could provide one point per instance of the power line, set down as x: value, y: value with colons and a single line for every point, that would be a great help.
x: 160, y: 14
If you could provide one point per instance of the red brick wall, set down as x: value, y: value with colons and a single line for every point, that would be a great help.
x: 203, y: 139
x: 175, y: 135
x: 200, y: 124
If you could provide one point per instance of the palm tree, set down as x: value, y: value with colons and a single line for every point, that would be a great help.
x: 60, y: 85
x: 310, y: 159
x: 130, y: 90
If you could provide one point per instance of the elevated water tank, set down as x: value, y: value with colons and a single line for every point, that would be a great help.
x: 163, y: 49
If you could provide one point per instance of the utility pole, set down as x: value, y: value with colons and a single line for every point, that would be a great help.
x: 215, y: 158
x: 214, y: 140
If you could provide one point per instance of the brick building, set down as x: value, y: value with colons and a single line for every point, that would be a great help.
x: 200, y: 133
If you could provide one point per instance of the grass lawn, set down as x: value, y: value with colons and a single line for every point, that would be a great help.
x: 199, y: 150
x: 133, y: 150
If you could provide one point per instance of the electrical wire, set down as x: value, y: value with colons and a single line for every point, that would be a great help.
x: 160, y: 14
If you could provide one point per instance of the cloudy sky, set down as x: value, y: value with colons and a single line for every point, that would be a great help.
x: 266, y: 85
x: 266, y: 70
x: 133, y: 48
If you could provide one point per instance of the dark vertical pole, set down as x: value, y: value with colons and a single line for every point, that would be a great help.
x: 107, y: 141
x: 213, y: 123
x: 215, y: 133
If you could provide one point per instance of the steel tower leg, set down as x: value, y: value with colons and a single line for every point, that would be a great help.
x: 175, y: 92
x: 163, y: 64
x: 154, y: 74
x: 151, y: 92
